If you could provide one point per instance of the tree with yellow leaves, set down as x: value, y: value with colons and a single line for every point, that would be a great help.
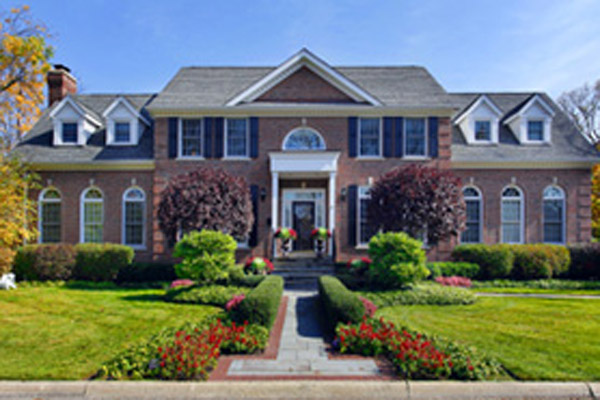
x: 24, y: 55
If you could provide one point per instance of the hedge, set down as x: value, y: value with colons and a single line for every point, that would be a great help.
x: 448, y: 268
x: 261, y: 304
x: 44, y: 262
x: 214, y: 295
x: 585, y: 261
x: 101, y: 262
x: 339, y: 303
x: 422, y: 294
x: 539, y: 261
x: 495, y: 261
x: 146, y: 272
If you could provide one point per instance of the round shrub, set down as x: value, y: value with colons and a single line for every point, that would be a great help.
x: 397, y: 260
x: 206, y: 256
x: 45, y: 262
x: 495, y: 261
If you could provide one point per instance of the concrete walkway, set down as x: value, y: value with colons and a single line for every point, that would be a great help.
x: 302, y: 351
x: 323, y: 390
x: 540, y: 295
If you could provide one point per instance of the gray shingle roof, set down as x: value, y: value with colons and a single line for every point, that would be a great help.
x: 567, y: 143
x: 36, y: 146
x: 198, y: 87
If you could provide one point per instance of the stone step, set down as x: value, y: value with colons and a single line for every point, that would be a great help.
x: 301, y: 270
x: 295, y: 275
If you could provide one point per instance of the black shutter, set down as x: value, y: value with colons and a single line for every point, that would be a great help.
x: 399, y: 150
x: 253, y: 137
x: 352, y: 211
x: 253, y: 240
x: 173, y: 137
x: 219, y: 135
x: 352, y: 136
x: 433, y: 137
x: 208, y: 137
x: 388, y: 123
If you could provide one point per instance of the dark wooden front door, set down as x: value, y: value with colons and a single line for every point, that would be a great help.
x: 303, y: 214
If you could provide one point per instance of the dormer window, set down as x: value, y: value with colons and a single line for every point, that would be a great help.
x: 122, y: 132
x: 483, y: 131
x: 532, y: 123
x: 124, y: 123
x: 535, y: 130
x: 69, y: 132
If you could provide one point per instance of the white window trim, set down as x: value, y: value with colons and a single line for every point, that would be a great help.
x: 111, y: 132
x: 124, y: 222
x: 479, y: 198
x: 483, y: 141
x: 358, y: 137
x: 405, y: 138
x: 41, y: 202
x: 82, y: 202
x: 522, y: 211
x: 564, y: 214
x: 58, y: 127
x: 180, y: 155
x: 300, y: 128
x: 225, y: 140
x: 545, y: 134
x: 359, y: 243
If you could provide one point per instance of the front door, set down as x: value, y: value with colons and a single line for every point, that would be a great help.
x: 303, y: 222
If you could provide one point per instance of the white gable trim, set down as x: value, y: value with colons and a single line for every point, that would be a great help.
x: 535, y: 99
x: 68, y: 100
x: 127, y: 104
x: 482, y: 99
x: 304, y: 58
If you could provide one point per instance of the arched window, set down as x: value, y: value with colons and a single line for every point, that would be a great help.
x: 134, y: 221
x: 512, y: 215
x: 49, y: 213
x: 472, y: 233
x: 92, y: 216
x: 303, y: 139
x: 554, y: 215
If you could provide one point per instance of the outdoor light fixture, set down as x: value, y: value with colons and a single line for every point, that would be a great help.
x: 263, y: 193
x: 343, y: 194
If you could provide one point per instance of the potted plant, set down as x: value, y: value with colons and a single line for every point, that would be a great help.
x: 320, y: 235
x: 286, y: 235
x: 258, y: 266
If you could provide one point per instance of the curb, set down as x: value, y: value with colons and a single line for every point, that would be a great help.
x: 346, y: 390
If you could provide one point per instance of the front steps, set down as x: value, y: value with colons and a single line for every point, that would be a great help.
x: 303, y: 272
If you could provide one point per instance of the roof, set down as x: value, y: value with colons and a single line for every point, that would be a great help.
x: 567, y: 143
x: 36, y: 146
x: 409, y: 87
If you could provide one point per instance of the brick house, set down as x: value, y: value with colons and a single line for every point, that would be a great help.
x: 309, y: 138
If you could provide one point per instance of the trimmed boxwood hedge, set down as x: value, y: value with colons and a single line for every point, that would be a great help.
x: 495, y: 261
x: 101, y: 262
x: 262, y: 303
x: 44, y: 262
x: 539, y: 261
x: 585, y: 261
x: 339, y: 303
x: 448, y: 268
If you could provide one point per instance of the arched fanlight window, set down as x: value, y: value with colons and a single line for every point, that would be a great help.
x: 473, y: 202
x: 512, y: 215
x: 134, y: 221
x: 303, y: 139
x: 92, y: 216
x: 554, y: 215
x: 49, y: 212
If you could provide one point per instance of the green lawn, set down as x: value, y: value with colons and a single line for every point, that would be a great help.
x: 61, y: 333
x: 574, y: 292
x: 541, y: 339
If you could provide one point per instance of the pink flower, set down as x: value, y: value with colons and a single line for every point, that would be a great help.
x: 181, y: 283
x: 370, y: 308
x: 235, y: 301
x: 458, y: 281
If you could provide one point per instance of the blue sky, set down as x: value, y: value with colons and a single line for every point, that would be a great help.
x: 138, y: 45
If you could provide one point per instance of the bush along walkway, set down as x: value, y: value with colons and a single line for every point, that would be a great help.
x: 541, y: 295
x: 301, y: 352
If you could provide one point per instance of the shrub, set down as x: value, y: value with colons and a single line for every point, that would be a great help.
x: 206, y: 256
x: 44, y: 262
x: 539, y: 261
x: 339, y: 303
x: 146, y: 272
x: 397, y: 260
x: 413, y: 354
x: 585, y: 261
x: 456, y: 281
x: 429, y: 294
x: 466, y: 269
x: 262, y: 303
x: 495, y: 261
x: 212, y: 295
x: 101, y: 262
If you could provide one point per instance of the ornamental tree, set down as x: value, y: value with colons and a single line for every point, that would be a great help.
x: 418, y: 200
x: 206, y: 199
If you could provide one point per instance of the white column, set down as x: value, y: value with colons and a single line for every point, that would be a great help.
x: 274, y: 207
x: 332, y: 195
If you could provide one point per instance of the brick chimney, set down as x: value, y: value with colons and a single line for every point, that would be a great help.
x: 60, y: 83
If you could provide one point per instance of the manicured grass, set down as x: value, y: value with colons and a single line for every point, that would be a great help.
x: 61, y: 333
x: 574, y: 292
x: 539, y: 339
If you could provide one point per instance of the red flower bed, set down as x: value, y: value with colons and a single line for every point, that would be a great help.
x: 459, y: 281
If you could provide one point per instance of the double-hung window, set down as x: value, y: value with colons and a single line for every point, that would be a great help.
x: 554, y: 215
x: 483, y: 130
x: 365, y: 230
x: 134, y: 206
x: 191, y: 138
x: 69, y: 132
x: 237, y: 137
x: 512, y: 215
x: 369, y: 137
x: 472, y: 233
x: 535, y: 130
x: 50, y: 218
x: 122, y: 132
x: 416, y: 139
x: 92, y: 216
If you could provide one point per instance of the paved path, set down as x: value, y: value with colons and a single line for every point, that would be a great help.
x: 540, y: 295
x: 302, y: 349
